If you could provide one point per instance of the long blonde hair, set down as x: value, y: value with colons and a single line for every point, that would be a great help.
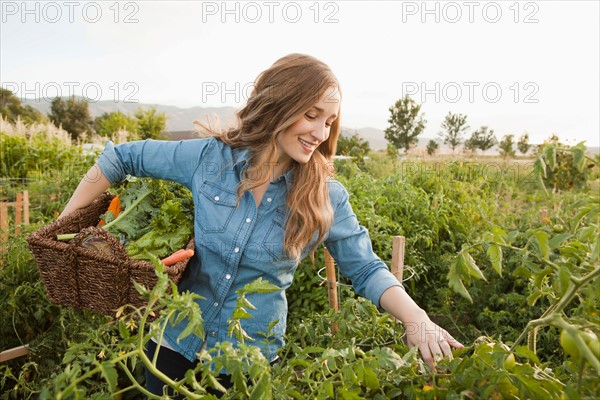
x: 281, y: 95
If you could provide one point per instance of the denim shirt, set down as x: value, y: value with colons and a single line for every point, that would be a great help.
x: 235, y: 245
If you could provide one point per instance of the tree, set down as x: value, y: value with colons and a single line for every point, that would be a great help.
x: 73, y: 115
x: 391, y: 151
x: 481, y: 139
x: 150, y: 123
x: 353, y: 146
x: 406, y: 124
x: 506, y: 146
x: 432, y: 147
x: 454, y: 125
x: 12, y: 109
x: 523, y: 143
x: 108, y: 123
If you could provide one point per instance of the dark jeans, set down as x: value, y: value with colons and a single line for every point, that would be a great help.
x: 174, y: 365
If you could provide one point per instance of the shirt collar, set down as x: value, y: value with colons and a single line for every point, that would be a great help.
x: 240, y: 157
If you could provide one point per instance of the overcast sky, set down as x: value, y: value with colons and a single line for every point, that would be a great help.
x: 514, y: 66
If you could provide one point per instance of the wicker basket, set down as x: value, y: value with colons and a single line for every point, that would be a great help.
x: 83, y: 278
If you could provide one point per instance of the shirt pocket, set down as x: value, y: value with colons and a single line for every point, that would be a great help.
x: 273, y: 241
x: 216, y: 208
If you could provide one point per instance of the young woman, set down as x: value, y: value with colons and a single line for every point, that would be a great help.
x: 264, y: 199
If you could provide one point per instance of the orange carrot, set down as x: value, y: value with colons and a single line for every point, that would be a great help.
x: 179, y: 255
x: 114, y: 207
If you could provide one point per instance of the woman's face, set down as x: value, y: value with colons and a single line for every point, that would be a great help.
x: 300, y: 140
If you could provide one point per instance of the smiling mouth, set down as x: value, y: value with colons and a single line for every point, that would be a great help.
x: 307, y: 145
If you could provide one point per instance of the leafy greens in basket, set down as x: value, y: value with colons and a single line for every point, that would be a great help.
x: 156, y: 217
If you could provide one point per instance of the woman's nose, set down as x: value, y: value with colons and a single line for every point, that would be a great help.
x: 320, y: 133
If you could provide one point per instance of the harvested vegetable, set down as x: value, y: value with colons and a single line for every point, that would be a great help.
x: 151, y: 218
x: 114, y: 208
x: 179, y: 255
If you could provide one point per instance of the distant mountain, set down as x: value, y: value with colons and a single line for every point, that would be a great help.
x: 375, y: 137
x: 179, y: 119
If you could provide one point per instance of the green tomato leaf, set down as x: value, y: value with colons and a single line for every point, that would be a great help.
x: 542, y: 240
x: 455, y: 282
x: 109, y: 372
x: 494, y: 253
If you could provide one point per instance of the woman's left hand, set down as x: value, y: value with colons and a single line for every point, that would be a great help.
x: 433, y: 342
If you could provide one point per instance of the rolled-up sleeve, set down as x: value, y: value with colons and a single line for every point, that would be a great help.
x: 160, y: 159
x: 350, y: 245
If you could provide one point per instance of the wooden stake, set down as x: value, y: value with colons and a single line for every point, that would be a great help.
x: 26, y: 207
x: 544, y: 216
x: 14, y: 353
x: 398, y: 257
x: 18, y: 212
x: 331, y: 287
x: 3, y: 227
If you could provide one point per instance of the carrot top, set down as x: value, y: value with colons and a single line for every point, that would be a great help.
x: 114, y: 207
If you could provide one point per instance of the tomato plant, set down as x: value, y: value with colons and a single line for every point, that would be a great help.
x: 505, y: 281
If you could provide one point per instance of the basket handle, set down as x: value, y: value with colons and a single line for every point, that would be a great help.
x: 122, y: 278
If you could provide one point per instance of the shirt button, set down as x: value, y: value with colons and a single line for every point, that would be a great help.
x: 217, y: 198
x: 248, y: 220
x: 228, y: 277
x: 215, y: 304
x: 269, y: 199
x: 236, y: 250
x: 213, y: 334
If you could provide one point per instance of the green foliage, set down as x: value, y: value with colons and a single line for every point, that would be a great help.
x: 432, y: 147
x: 455, y: 126
x: 353, y: 146
x: 506, y: 146
x: 150, y: 124
x: 481, y: 139
x: 12, y: 110
x: 153, y: 220
x: 72, y: 115
x: 109, y: 123
x: 560, y: 167
x: 391, y: 151
x: 24, y: 157
x: 523, y: 143
x: 406, y: 124
x: 470, y: 227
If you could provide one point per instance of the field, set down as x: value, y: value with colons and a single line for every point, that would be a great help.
x: 505, y: 255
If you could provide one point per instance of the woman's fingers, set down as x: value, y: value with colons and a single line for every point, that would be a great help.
x: 438, y: 347
x: 453, y: 342
x: 427, y: 355
x: 445, y: 348
x: 434, y: 343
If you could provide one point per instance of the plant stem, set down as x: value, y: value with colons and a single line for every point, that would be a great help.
x: 548, y: 318
x: 88, y: 374
x: 134, y: 381
x: 155, y: 371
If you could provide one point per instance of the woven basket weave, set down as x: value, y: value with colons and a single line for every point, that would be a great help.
x: 86, y: 279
